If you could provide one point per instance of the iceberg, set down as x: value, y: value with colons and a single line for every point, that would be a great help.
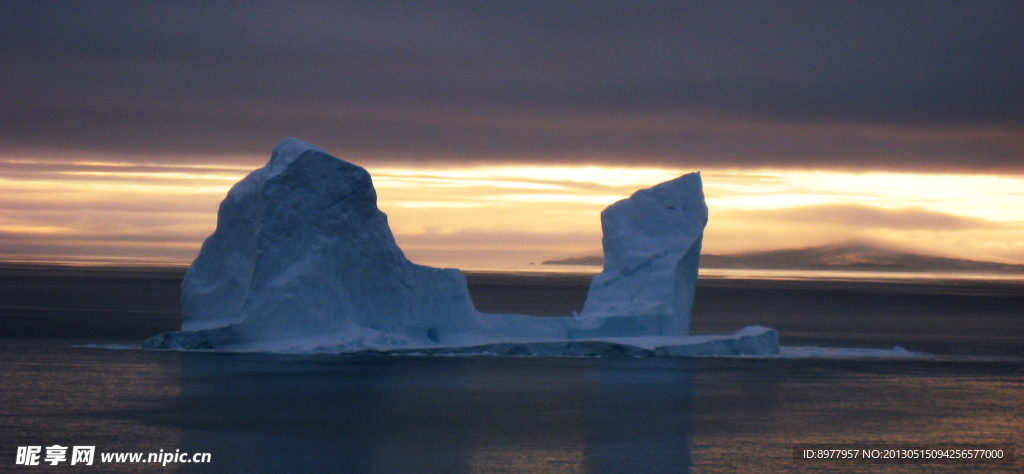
x: 302, y: 260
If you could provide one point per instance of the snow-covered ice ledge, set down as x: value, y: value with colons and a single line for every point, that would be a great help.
x: 749, y: 341
x: 753, y: 341
x: 302, y: 260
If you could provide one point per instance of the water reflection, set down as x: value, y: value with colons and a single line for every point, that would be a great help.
x: 263, y: 413
x: 539, y: 428
x: 476, y: 415
x: 639, y: 415
x: 51, y: 393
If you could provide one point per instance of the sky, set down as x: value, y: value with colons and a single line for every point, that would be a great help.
x: 497, y: 131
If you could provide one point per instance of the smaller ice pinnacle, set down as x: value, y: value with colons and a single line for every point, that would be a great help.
x: 651, y: 254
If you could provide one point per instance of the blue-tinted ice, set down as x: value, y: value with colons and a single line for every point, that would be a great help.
x: 303, y: 261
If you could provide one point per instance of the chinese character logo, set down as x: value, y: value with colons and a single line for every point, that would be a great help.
x: 56, y: 454
x: 28, y: 455
x: 82, y: 454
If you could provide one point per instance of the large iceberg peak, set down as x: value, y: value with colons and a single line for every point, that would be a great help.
x: 286, y: 152
x: 301, y: 250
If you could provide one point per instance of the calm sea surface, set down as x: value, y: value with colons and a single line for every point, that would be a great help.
x: 329, y: 413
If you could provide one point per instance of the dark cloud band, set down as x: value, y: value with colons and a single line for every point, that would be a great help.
x: 939, y: 85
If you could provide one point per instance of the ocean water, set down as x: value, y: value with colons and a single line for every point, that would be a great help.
x: 337, y: 413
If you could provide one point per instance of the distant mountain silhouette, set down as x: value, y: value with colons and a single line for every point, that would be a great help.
x: 833, y: 257
x: 588, y: 260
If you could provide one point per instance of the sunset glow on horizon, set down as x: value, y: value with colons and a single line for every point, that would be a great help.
x: 496, y: 132
x: 510, y: 215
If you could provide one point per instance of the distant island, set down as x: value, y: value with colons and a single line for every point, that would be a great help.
x: 851, y: 257
x: 588, y: 260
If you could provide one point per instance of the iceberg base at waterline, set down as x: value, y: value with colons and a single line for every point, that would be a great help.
x: 749, y: 341
x: 303, y: 261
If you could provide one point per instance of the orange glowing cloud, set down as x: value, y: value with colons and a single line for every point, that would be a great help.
x: 506, y: 216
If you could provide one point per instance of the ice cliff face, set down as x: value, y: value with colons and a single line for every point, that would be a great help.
x: 302, y: 260
x: 651, y: 254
